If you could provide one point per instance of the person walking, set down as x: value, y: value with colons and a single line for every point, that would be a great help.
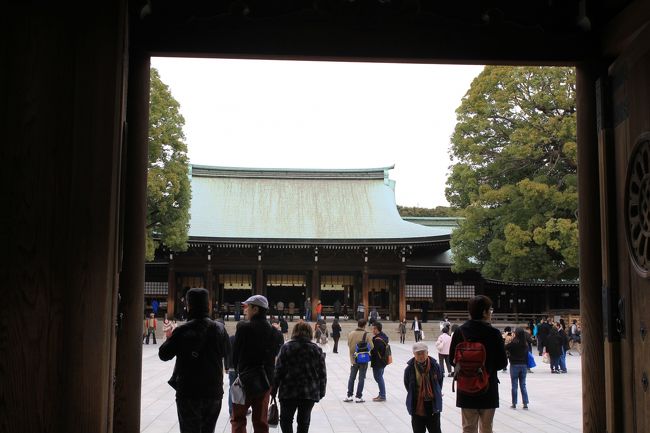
x: 416, y: 326
x: 423, y: 382
x: 257, y: 343
x: 442, y: 345
x: 319, y: 310
x: 280, y: 307
x: 564, y: 343
x: 292, y: 310
x: 168, y: 328
x: 150, y: 327
x: 374, y: 315
x: 307, y: 310
x: 401, y: 330
x: 358, y: 337
x: 378, y: 359
x: 543, y: 331
x: 361, y: 311
x: 337, y: 309
x: 199, y: 346
x: 517, y: 350
x: 336, y: 334
x: 300, y: 378
x: 478, y: 410
x: 553, y: 345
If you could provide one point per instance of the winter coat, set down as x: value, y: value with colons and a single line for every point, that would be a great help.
x: 355, y: 337
x: 300, y: 371
x: 480, y: 331
x: 202, y: 376
x: 378, y: 352
x: 256, y: 343
x: 443, y: 343
x: 410, y: 383
x: 336, y: 330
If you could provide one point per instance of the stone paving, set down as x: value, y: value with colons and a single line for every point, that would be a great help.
x: 555, y: 399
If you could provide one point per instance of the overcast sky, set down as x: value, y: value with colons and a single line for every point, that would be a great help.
x: 287, y: 114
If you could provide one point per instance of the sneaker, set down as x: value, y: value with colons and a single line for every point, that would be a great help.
x: 347, y: 399
x: 563, y: 371
x: 379, y: 398
x: 512, y: 406
x: 525, y: 406
x: 359, y: 400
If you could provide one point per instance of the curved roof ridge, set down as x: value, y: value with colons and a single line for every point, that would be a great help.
x: 290, y: 173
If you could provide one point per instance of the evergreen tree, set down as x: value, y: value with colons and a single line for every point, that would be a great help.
x: 514, y: 174
x: 168, y: 184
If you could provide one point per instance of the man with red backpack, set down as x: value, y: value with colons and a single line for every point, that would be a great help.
x: 478, y: 353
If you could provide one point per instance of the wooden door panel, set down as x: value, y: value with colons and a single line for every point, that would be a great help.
x: 630, y: 76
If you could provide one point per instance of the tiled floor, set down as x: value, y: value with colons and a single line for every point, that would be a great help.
x: 555, y: 400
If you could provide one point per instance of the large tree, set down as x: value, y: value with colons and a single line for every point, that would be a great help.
x: 168, y: 185
x: 514, y: 174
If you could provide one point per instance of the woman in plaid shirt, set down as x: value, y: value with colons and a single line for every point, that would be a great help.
x: 300, y: 378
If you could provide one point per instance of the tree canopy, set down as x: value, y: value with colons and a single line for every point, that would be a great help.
x: 168, y: 185
x: 514, y: 173
x: 438, y: 211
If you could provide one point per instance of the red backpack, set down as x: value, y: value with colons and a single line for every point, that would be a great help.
x: 471, y: 374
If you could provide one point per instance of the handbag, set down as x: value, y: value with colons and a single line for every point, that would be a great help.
x: 531, y: 360
x: 237, y: 394
x: 546, y: 358
x: 274, y: 413
x: 254, y: 380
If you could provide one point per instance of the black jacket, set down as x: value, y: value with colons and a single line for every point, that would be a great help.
x: 256, y: 343
x: 480, y: 331
x: 517, y: 352
x: 199, y: 347
x: 378, y: 352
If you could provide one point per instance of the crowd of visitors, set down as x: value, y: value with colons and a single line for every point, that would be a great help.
x: 264, y: 364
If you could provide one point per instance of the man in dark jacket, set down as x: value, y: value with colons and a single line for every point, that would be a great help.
x: 256, y: 345
x: 199, y: 347
x: 477, y: 409
x: 543, y: 331
x: 423, y: 382
x: 378, y: 359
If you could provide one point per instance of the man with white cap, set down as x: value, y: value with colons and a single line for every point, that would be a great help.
x: 257, y: 343
x: 423, y: 382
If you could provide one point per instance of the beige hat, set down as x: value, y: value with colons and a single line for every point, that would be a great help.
x: 420, y: 347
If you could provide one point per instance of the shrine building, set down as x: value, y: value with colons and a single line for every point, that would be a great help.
x: 326, y: 235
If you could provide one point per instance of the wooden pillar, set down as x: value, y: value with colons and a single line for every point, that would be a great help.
x: 365, y: 286
x: 171, y: 289
x: 593, y: 391
x: 259, y: 280
x: 402, y: 294
x: 129, y: 335
x: 208, y: 285
x: 315, y: 290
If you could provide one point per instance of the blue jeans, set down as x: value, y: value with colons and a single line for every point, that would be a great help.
x: 307, y: 315
x: 563, y: 360
x: 518, y: 375
x: 361, y: 369
x: 378, y: 374
x: 197, y: 415
x: 287, y: 411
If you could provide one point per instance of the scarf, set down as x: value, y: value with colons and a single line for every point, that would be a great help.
x: 425, y: 389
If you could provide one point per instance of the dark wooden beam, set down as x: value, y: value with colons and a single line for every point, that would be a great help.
x: 131, y: 306
x: 594, y: 413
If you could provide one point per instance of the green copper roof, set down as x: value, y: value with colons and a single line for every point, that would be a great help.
x: 299, y: 204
